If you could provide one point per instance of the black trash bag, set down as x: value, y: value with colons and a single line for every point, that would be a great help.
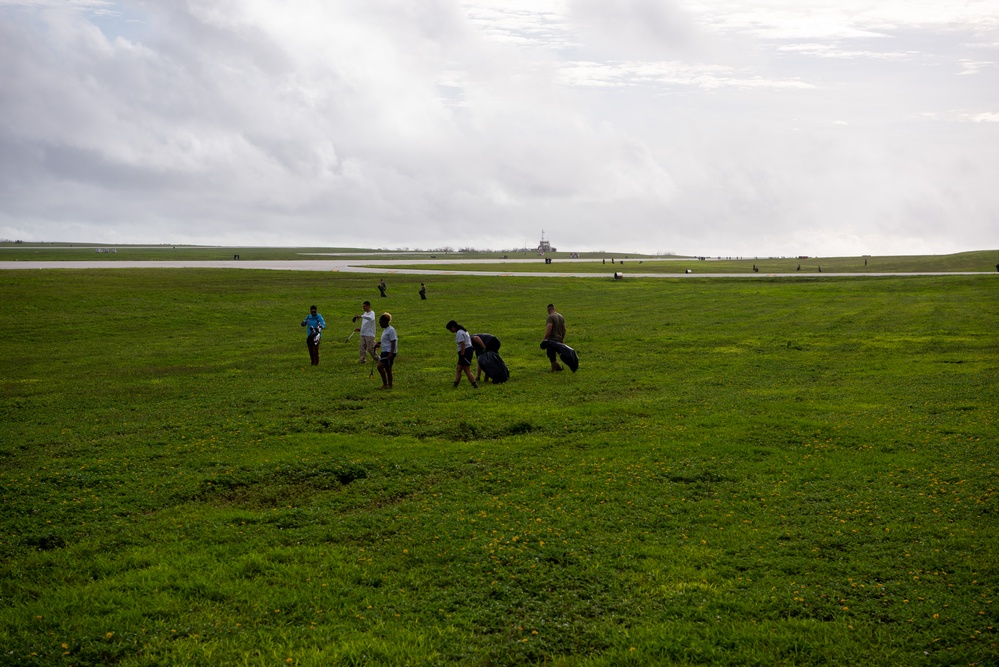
x: 494, y: 368
x: 565, y: 353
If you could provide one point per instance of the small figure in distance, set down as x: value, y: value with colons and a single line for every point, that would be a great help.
x: 554, y: 331
x: 464, y: 343
x: 316, y: 324
x: 799, y: 268
x: 381, y: 286
x: 389, y: 345
x: 367, y: 331
x: 423, y: 292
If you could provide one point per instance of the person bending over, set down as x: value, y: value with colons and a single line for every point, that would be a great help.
x: 483, y: 342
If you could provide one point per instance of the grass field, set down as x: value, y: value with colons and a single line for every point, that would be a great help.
x: 764, y: 472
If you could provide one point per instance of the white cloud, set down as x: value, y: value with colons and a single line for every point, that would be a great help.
x: 833, y: 50
x: 976, y: 66
x: 989, y: 117
x: 612, y: 74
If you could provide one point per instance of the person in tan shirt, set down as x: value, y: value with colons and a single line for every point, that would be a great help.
x: 554, y: 332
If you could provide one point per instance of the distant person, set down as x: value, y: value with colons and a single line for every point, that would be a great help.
x: 820, y: 269
x: 555, y: 332
x: 381, y: 286
x: 316, y: 324
x: 389, y: 345
x: 367, y: 331
x: 464, y: 342
x: 423, y: 292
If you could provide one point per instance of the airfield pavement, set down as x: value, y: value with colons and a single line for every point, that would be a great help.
x: 386, y: 266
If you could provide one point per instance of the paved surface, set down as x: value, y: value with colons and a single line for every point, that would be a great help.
x: 386, y: 266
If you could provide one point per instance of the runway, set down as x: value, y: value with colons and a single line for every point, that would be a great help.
x: 387, y: 266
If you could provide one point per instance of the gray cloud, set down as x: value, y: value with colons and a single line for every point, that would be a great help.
x: 652, y: 29
x: 614, y: 125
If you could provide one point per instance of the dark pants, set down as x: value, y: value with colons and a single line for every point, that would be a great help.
x: 313, y: 351
x: 552, y: 353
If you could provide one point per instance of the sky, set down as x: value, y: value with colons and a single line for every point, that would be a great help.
x: 691, y: 127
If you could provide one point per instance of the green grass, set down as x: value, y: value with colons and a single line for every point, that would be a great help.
x: 979, y: 261
x: 792, y: 472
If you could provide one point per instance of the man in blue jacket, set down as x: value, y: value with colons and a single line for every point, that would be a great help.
x: 316, y: 324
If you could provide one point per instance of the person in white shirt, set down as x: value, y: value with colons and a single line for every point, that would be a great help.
x: 389, y: 345
x: 464, y: 342
x: 367, y: 331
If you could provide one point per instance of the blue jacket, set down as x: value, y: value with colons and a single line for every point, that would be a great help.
x: 314, y: 321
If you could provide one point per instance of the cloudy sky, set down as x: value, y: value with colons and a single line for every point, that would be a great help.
x: 712, y: 127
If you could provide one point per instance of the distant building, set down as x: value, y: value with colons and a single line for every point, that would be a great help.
x: 544, y: 246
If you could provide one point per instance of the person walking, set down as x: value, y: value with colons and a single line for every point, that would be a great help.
x: 423, y: 292
x: 367, y: 331
x: 465, y: 349
x: 554, y: 332
x: 316, y: 324
x: 381, y: 286
x: 389, y: 345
